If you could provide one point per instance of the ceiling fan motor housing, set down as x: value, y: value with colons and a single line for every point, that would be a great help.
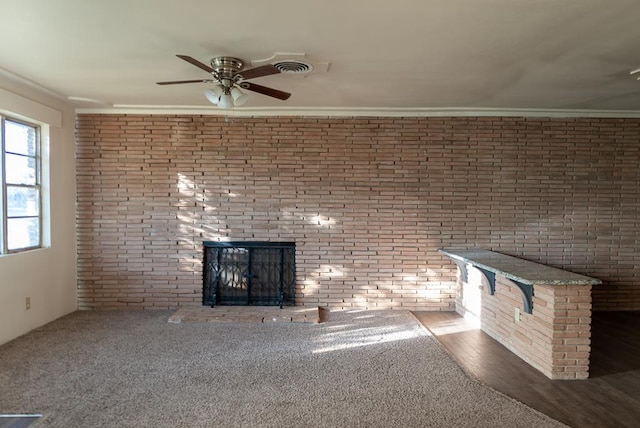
x: 227, y: 66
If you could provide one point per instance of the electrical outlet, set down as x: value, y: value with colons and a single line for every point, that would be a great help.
x: 27, y: 303
x: 516, y: 314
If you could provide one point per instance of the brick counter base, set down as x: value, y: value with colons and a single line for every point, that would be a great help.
x: 550, y: 328
x: 555, y: 338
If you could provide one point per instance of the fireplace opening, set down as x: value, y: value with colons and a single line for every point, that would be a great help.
x: 249, y: 273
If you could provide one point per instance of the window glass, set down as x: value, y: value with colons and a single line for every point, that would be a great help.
x: 20, y: 169
x: 20, y: 138
x: 22, y: 201
x: 23, y: 233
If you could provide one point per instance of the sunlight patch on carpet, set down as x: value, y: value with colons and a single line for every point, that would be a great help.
x: 366, y: 337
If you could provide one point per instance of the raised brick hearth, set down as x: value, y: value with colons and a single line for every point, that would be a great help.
x: 252, y: 314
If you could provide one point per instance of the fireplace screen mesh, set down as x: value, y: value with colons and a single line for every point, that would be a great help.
x: 249, y: 273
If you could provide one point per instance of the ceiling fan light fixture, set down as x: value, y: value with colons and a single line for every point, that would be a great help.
x: 239, y: 97
x: 226, y: 101
x: 213, y: 95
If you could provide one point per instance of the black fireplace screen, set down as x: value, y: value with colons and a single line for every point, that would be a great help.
x: 249, y: 273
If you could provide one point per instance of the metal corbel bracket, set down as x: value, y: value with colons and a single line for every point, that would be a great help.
x: 462, y: 268
x: 464, y: 274
x: 490, y: 277
x: 527, y: 295
x: 525, y: 289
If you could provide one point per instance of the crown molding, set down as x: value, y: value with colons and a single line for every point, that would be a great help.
x: 6, y: 74
x: 359, y: 112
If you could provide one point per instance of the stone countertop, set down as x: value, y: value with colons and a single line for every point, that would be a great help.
x: 525, y: 271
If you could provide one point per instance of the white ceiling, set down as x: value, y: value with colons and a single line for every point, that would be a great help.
x: 383, y: 55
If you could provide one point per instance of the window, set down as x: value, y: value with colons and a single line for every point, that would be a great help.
x: 21, y: 202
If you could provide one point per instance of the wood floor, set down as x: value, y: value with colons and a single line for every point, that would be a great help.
x: 609, y: 398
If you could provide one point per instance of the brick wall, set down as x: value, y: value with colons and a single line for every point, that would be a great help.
x: 368, y: 202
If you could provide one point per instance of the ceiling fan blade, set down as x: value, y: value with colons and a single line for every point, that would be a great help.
x: 197, y: 63
x: 263, y: 70
x: 265, y: 91
x: 175, y: 82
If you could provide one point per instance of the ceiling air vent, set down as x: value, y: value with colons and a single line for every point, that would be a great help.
x: 293, y: 66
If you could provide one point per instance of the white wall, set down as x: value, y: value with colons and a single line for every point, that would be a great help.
x: 47, y: 276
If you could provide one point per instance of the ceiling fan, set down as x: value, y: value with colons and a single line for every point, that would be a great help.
x: 230, y: 77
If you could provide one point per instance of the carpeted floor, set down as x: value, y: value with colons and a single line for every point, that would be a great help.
x: 133, y: 369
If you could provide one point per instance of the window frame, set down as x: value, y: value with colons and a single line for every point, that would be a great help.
x: 4, y: 212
